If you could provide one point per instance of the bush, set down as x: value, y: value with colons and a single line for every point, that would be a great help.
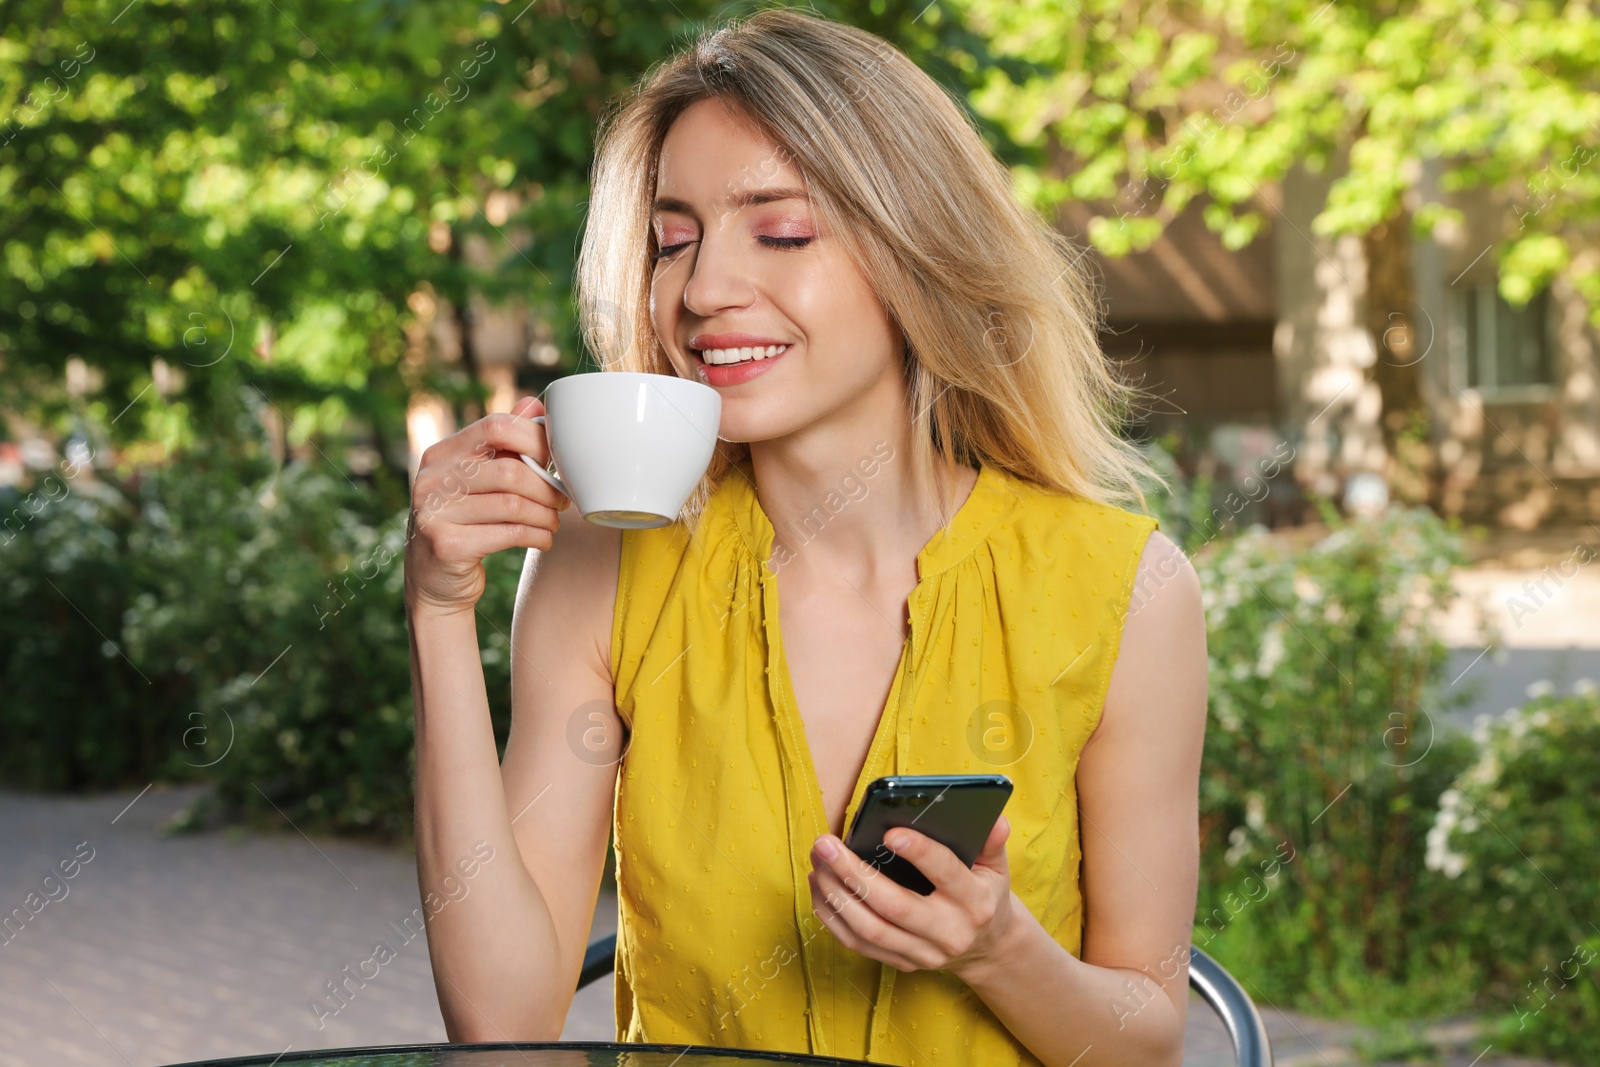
x: 1517, y: 839
x: 77, y: 711
x: 1325, y: 753
x: 302, y: 656
x: 214, y: 619
x: 1180, y: 503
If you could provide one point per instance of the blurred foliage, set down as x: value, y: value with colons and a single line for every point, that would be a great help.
x: 77, y: 712
x: 220, y: 617
x: 1178, y: 502
x: 1157, y: 104
x: 1326, y: 753
x: 1517, y: 839
x: 195, y: 181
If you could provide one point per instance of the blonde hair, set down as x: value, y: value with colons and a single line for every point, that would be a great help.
x: 999, y: 312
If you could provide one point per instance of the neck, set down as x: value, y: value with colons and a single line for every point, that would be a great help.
x: 848, y: 502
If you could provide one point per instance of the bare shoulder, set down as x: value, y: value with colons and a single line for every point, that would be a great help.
x: 567, y: 596
x: 1161, y: 666
x: 1165, y: 593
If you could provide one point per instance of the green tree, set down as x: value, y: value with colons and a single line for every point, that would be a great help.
x: 195, y: 181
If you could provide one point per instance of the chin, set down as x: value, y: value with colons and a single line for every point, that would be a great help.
x: 751, y: 426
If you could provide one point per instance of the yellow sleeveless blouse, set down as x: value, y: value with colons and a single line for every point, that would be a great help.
x: 1015, y: 624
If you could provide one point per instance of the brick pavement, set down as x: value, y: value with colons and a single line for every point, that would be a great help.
x: 169, y: 949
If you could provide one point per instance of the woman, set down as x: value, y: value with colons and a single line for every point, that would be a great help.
x: 906, y: 557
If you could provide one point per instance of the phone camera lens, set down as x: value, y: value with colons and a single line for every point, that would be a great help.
x: 919, y: 801
x: 894, y: 802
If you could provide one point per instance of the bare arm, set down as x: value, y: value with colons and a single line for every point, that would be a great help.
x: 1138, y: 800
x: 506, y: 951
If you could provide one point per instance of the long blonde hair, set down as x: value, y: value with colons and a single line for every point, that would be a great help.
x: 998, y: 309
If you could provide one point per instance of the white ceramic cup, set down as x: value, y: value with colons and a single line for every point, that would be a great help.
x: 628, y: 448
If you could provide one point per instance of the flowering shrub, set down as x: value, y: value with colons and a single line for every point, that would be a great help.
x: 1517, y: 838
x: 1325, y: 752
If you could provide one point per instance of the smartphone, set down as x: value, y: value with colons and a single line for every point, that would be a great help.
x: 956, y: 810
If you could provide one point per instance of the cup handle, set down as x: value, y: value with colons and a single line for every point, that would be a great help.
x: 553, y: 479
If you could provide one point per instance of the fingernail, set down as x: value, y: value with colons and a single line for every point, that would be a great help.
x: 826, y: 848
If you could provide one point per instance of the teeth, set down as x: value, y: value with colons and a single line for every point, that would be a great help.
x: 740, y: 355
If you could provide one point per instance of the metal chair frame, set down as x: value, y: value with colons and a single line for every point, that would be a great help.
x: 1219, y: 989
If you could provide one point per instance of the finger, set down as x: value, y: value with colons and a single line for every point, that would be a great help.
x: 936, y: 862
x: 505, y: 432
x: 482, y: 508
x: 888, y: 899
x: 507, y: 474
x: 861, y: 930
x: 850, y: 868
x: 993, y: 855
x: 498, y: 538
x: 847, y: 937
x: 525, y: 408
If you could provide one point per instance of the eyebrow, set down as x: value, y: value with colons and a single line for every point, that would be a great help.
x: 749, y: 198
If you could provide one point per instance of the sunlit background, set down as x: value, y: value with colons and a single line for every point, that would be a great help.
x: 257, y: 257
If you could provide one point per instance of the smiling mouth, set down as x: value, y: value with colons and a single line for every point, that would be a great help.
x: 724, y: 356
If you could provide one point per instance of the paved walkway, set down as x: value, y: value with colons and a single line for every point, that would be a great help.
x: 1546, y: 621
x: 169, y: 949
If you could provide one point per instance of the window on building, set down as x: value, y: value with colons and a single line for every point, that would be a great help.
x: 1503, y: 347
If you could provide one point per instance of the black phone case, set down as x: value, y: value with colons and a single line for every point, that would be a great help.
x: 956, y: 810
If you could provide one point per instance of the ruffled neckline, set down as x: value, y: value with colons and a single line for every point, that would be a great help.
x: 992, y: 497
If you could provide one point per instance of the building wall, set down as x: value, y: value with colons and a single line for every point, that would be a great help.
x: 1525, y: 457
x: 1191, y: 323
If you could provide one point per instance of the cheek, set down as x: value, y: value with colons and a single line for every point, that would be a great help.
x: 666, y: 303
x: 843, y: 320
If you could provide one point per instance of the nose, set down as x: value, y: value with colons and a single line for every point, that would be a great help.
x: 719, y: 278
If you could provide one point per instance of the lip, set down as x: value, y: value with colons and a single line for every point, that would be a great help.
x: 736, y: 373
x: 701, y: 342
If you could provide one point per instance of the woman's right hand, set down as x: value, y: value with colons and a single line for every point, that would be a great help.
x: 473, y: 495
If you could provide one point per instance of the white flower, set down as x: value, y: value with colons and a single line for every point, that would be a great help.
x: 1255, y: 812
x: 1541, y: 688
x: 1226, y: 715
x: 1480, y: 729
x: 1583, y: 687
x: 1438, y: 856
x: 1271, y: 652
x: 1307, y: 590
x: 1238, y: 845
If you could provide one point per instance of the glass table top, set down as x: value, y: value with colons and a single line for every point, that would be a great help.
x: 562, y: 1054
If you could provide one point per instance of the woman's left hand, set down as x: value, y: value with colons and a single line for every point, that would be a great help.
x: 964, y: 923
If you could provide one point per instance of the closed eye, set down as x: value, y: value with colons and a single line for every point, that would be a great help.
x: 769, y: 241
x: 671, y: 250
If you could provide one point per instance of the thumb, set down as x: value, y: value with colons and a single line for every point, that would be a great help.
x: 994, y: 849
x: 525, y: 406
